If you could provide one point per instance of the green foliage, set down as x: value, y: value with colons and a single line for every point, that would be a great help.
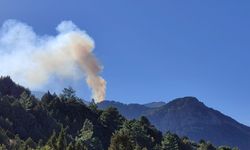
x: 87, y: 127
x: 29, y: 143
x: 61, y: 141
x: 186, y: 144
x: 224, y: 148
x: 86, y: 132
x: 93, y: 106
x: 52, y: 141
x: 205, y: 146
x: 9, y: 88
x: 3, y: 147
x: 3, y: 137
x: 121, y: 140
x: 70, y: 147
x: 17, y: 144
x: 135, y: 134
x: 57, y: 142
x: 27, y: 101
x: 112, y: 118
x: 85, y: 139
x: 170, y: 142
x: 69, y: 94
x: 48, y: 98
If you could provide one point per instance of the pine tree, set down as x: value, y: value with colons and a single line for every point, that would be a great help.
x: 224, y: 148
x: 70, y: 146
x: 121, y: 140
x: 61, y: 142
x: 27, y: 101
x: 86, y: 140
x: 68, y: 94
x: 112, y: 118
x: 29, y: 143
x: 93, y: 106
x: 52, y: 141
x: 3, y: 137
x: 3, y: 147
x: 203, y: 145
x: 170, y: 142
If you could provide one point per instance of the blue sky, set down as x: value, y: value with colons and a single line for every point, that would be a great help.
x: 158, y: 50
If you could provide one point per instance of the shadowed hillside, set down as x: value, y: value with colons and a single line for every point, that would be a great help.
x: 64, y: 122
x: 189, y: 117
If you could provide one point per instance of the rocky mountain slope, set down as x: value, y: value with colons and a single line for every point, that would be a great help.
x: 189, y: 117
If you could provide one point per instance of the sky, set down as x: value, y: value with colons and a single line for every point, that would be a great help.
x: 157, y: 50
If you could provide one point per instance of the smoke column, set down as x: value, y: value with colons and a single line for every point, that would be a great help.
x: 32, y: 60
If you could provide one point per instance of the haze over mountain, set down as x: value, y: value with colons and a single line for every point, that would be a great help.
x: 188, y: 116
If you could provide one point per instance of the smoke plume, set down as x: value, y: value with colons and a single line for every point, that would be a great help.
x: 32, y: 60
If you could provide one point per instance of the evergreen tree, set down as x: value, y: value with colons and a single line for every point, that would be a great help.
x: 186, y: 144
x: 170, y: 142
x: 224, y: 148
x: 115, y: 132
x: 112, y: 118
x: 86, y: 140
x: 93, y: 106
x: 121, y: 140
x: 61, y: 142
x: 68, y: 94
x: 47, y: 98
x: 52, y: 141
x: 136, y: 135
x: 203, y: 145
x: 3, y: 137
x: 17, y: 143
x: 27, y: 101
x: 144, y: 120
x: 29, y: 143
x: 3, y: 147
x: 70, y: 146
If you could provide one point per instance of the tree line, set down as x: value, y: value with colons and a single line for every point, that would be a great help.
x: 64, y: 122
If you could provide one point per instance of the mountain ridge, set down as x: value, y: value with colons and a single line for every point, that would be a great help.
x: 190, y: 117
x: 155, y: 104
x: 185, y: 116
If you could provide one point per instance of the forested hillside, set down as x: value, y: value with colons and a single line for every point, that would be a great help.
x: 188, y: 116
x: 64, y: 122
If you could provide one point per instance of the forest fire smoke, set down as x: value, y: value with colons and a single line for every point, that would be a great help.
x: 33, y: 60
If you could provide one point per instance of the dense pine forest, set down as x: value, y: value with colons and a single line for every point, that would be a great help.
x: 64, y: 122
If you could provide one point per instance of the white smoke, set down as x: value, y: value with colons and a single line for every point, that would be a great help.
x: 32, y: 60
